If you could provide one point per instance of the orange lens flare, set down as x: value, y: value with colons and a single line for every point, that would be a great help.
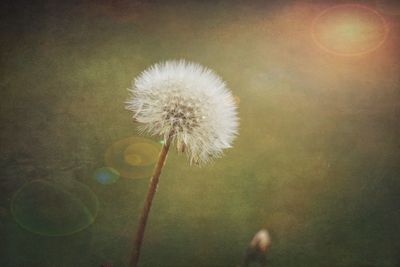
x: 349, y: 30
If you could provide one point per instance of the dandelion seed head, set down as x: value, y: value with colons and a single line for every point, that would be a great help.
x: 188, y: 102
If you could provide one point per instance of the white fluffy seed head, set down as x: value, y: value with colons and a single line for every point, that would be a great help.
x: 188, y: 102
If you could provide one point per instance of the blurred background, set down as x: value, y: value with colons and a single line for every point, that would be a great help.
x: 316, y: 162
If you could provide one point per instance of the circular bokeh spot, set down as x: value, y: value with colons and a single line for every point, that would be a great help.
x: 51, y: 209
x: 349, y: 30
x: 106, y: 175
x: 133, y: 157
x: 141, y: 154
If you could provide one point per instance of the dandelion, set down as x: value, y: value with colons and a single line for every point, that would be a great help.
x: 190, y: 107
x: 188, y: 103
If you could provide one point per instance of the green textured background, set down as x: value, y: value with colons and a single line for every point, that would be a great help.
x: 316, y: 162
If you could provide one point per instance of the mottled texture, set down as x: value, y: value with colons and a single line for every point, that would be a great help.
x: 316, y: 162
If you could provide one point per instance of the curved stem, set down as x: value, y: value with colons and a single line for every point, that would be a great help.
x: 147, y: 204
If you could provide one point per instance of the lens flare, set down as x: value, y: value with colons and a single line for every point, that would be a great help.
x: 132, y: 157
x: 106, y: 175
x: 46, y: 208
x: 349, y: 30
x: 140, y: 154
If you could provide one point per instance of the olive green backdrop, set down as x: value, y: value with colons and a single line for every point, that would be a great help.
x: 316, y: 161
